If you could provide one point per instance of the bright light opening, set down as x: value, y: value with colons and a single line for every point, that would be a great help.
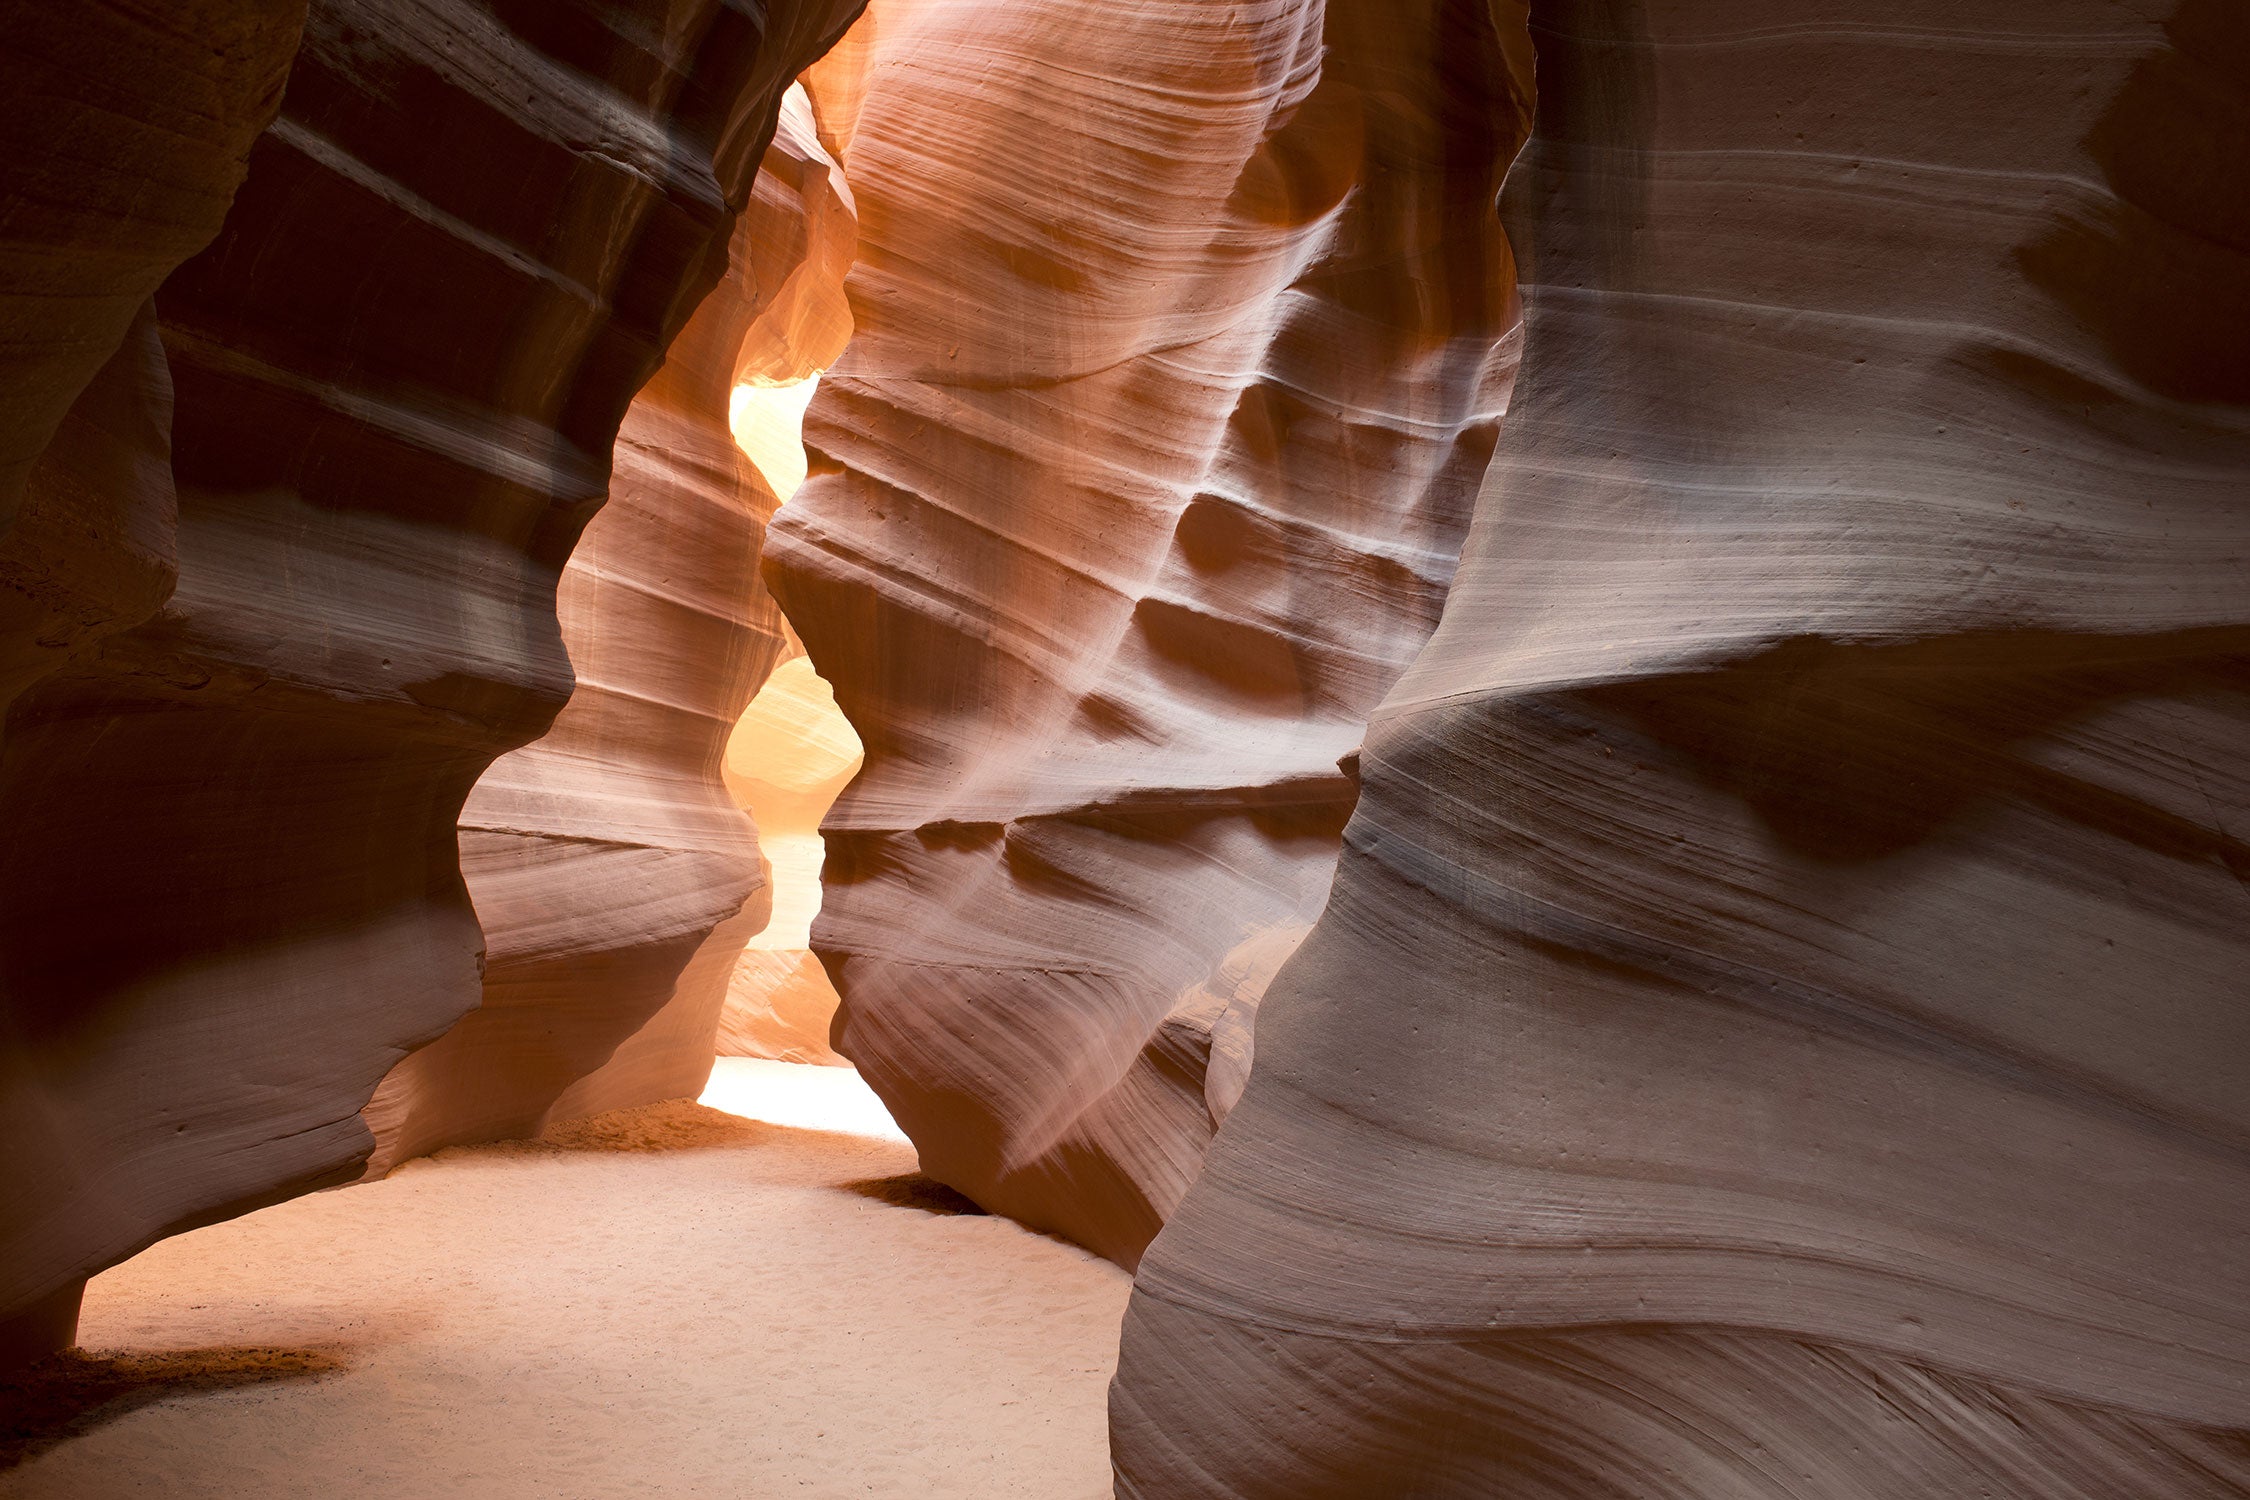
x: 789, y: 756
x: 769, y: 426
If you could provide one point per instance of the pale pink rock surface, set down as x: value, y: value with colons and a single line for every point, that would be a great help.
x: 1779, y: 1031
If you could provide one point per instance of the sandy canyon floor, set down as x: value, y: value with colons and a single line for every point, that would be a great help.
x: 665, y: 1302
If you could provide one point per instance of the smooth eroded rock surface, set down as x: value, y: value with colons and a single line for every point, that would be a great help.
x: 125, y: 129
x: 232, y: 897
x: 1183, y: 332
x: 127, y: 126
x: 1779, y: 1028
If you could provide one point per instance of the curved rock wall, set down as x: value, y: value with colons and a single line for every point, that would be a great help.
x: 127, y: 126
x: 601, y: 856
x: 1779, y: 1028
x: 614, y: 876
x: 232, y: 899
x: 805, y: 231
x: 1182, y: 338
x: 124, y: 131
x: 792, y: 750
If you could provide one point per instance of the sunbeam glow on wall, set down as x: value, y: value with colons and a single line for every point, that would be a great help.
x: 769, y: 424
x: 788, y: 757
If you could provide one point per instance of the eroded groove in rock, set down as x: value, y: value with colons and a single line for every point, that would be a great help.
x: 1779, y: 1029
x: 614, y: 877
x: 1142, y: 479
x: 232, y: 899
x: 791, y: 751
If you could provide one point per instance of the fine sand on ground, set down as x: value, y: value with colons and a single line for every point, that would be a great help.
x: 665, y: 1302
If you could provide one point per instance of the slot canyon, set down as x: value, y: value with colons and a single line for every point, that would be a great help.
x: 1186, y: 750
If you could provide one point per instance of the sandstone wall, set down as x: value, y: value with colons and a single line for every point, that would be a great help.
x: 127, y: 128
x: 1182, y: 337
x: 614, y: 876
x: 791, y: 751
x: 124, y: 131
x: 232, y: 898
x: 1779, y: 1028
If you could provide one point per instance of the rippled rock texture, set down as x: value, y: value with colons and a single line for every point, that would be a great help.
x: 232, y: 899
x: 1779, y: 1027
x: 614, y: 876
x: 792, y: 751
x: 124, y: 131
x: 1183, y: 331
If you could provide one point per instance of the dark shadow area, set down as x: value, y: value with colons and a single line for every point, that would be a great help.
x: 2162, y: 275
x: 71, y: 1394
x: 913, y: 1190
x: 1851, y: 752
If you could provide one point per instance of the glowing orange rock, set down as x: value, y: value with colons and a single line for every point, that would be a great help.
x: 1142, y: 479
x: 789, y: 756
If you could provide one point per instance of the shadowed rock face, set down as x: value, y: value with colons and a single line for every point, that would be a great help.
x: 1779, y: 1027
x: 124, y: 131
x: 232, y: 899
x: 602, y: 856
x: 1143, y: 477
x: 126, y: 125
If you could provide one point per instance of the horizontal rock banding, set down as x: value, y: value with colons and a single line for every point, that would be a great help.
x: 614, y: 876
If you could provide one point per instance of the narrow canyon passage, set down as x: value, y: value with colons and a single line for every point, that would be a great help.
x: 1273, y: 750
x: 787, y: 758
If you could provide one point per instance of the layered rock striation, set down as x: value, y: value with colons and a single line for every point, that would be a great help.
x: 1779, y: 1027
x: 792, y: 750
x: 232, y: 899
x: 128, y: 127
x: 614, y: 876
x: 1141, y: 481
